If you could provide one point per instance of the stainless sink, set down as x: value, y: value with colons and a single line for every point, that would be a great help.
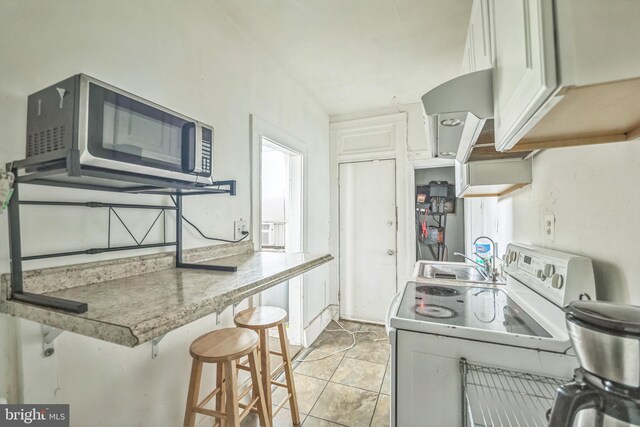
x: 453, y: 271
x: 465, y: 273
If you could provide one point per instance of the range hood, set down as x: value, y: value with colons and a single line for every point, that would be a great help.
x: 458, y: 112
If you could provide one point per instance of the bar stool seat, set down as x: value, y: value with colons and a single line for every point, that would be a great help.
x: 261, y: 319
x: 225, y: 347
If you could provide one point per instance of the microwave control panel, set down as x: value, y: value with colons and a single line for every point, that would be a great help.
x: 207, y: 146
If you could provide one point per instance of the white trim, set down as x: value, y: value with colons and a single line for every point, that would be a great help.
x: 316, y: 326
x: 261, y: 128
x: 404, y: 194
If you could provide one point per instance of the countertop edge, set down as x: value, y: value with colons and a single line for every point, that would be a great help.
x: 221, y: 302
x: 133, y: 337
x: 116, y: 334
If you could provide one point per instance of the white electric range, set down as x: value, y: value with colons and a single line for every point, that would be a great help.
x: 518, y: 325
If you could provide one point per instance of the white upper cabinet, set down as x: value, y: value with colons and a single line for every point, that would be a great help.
x: 477, y: 51
x: 565, y: 72
x: 524, y: 74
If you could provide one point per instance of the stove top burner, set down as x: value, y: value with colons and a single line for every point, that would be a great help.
x: 435, y: 311
x: 438, y: 291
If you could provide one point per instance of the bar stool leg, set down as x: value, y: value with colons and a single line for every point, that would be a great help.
x: 265, y: 370
x: 288, y: 372
x: 231, y: 390
x: 192, y: 395
x: 220, y: 401
x: 263, y: 414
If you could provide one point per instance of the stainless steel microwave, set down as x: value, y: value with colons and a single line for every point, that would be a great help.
x: 114, y: 130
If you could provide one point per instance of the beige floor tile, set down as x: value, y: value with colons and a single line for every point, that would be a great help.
x: 317, y: 422
x: 282, y: 419
x: 319, y: 365
x: 381, y: 417
x: 308, y: 390
x: 371, y: 351
x: 345, y: 405
x: 378, y: 329
x: 386, y: 382
x: 347, y: 324
x: 360, y: 374
x: 329, y: 342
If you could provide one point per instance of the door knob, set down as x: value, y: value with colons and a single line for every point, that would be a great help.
x: 391, y: 252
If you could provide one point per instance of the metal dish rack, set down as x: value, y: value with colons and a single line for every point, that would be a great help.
x: 500, y: 397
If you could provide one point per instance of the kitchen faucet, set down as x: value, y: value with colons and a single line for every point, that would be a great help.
x: 490, y: 264
x: 484, y: 272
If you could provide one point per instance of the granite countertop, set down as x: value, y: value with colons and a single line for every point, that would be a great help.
x: 135, y: 309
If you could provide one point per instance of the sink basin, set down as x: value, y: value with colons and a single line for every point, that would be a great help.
x: 453, y: 271
x: 463, y: 272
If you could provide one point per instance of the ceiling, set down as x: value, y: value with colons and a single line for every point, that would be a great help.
x: 359, y: 55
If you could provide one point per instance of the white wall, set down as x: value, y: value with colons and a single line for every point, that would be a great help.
x: 593, y: 193
x: 190, y: 57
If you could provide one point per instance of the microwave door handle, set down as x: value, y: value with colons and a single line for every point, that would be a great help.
x: 198, y: 150
x: 189, y: 147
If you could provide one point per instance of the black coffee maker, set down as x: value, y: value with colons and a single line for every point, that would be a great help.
x: 606, y: 388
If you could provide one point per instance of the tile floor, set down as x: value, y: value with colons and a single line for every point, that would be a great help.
x: 350, y: 388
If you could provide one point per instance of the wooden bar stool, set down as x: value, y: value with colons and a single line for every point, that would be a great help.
x: 225, y: 347
x: 260, y: 319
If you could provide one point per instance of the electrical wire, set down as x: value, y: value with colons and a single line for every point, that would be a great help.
x: 217, y: 239
x: 353, y: 343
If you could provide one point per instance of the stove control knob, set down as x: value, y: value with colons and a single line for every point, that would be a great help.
x: 513, y: 255
x: 557, y: 281
x: 540, y: 274
x: 549, y: 270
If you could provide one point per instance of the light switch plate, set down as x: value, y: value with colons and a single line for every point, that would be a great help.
x: 550, y: 227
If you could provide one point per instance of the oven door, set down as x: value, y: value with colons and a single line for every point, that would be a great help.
x: 127, y: 133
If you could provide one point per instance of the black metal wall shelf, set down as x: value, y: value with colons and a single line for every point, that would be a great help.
x: 63, y: 174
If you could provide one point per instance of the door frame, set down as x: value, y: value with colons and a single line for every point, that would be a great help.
x: 261, y: 128
x: 397, y: 126
x: 397, y: 239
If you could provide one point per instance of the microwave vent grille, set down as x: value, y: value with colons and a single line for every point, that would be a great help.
x: 45, y: 141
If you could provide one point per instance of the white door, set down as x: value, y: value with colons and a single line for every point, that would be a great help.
x: 367, y: 239
x: 524, y: 74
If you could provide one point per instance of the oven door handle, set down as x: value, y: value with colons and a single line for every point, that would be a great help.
x: 391, y: 310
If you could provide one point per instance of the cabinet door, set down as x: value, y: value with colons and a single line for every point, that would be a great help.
x: 467, y: 60
x: 462, y: 178
x: 524, y: 74
x: 480, y: 35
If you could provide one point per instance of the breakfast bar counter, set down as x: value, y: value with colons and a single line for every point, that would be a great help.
x: 137, y: 308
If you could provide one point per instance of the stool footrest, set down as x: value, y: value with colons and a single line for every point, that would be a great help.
x: 210, y: 396
x: 279, y: 384
x: 277, y: 370
x: 244, y: 392
x: 210, y: 412
x: 281, y: 404
x: 276, y: 353
x: 247, y: 408
x: 243, y: 367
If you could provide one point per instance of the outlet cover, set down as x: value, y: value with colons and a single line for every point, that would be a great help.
x: 550, y: 227
x: 238, y: 228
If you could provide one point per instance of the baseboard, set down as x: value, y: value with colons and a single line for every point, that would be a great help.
x: 317, y: 325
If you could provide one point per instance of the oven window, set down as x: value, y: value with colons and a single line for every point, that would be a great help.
x: 123, y: 129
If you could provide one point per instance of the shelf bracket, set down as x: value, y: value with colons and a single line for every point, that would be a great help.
x: 155, y: 346
x: 49, y: 334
